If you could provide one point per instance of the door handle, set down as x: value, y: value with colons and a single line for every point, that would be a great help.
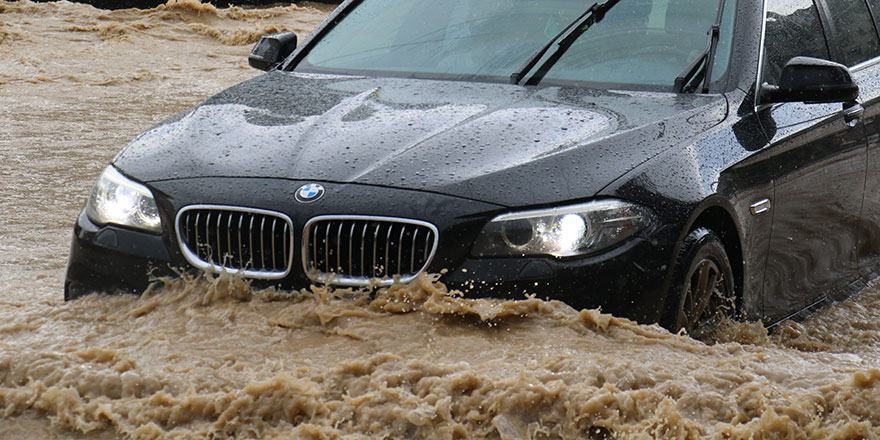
x: 853, y: 113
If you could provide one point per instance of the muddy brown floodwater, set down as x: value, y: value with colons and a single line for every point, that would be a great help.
x: 213, y: 358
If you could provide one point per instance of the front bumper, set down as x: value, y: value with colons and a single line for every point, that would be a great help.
x: 630, y: 280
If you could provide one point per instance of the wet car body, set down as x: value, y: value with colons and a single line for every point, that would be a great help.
x: 787, y: 188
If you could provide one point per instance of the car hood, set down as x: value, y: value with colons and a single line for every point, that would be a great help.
x: 504, y: 144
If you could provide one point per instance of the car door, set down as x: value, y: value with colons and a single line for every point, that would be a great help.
x: 865, y: 68
x: 819, y: 165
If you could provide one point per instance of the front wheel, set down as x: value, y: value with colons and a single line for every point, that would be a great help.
x: 703, y: 293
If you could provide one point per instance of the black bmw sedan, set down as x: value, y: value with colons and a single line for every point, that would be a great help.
x: 671, y: 161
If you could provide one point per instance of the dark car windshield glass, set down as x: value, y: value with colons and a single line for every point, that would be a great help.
x: 639, y: 42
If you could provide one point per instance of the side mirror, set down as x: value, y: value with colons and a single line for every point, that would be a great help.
x: 271, y: 50
x: 811, y: 80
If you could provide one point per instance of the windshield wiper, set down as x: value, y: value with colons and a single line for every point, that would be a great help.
x: 593, y: 15
x: 703, y: 64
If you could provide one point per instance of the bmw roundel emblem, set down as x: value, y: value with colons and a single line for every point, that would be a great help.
x: 309, y: 193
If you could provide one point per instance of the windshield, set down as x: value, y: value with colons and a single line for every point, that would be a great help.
x: 643, y: 43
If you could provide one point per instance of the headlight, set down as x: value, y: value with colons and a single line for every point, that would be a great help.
x: 561, y: 232
x: 116, y: 199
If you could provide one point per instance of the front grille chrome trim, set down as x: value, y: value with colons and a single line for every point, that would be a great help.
x: 376, y: 275
x: 183, y: 231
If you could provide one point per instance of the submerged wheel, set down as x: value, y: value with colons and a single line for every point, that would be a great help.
x: 703, y: 293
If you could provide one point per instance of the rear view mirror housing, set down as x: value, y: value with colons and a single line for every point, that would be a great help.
x: 271, y: 50
x: 811, y: 80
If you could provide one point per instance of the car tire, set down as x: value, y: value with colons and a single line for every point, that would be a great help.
x: 703, y: 292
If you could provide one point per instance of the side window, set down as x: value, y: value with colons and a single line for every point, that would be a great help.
x: 793, y: 29
x: 854, y: 31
